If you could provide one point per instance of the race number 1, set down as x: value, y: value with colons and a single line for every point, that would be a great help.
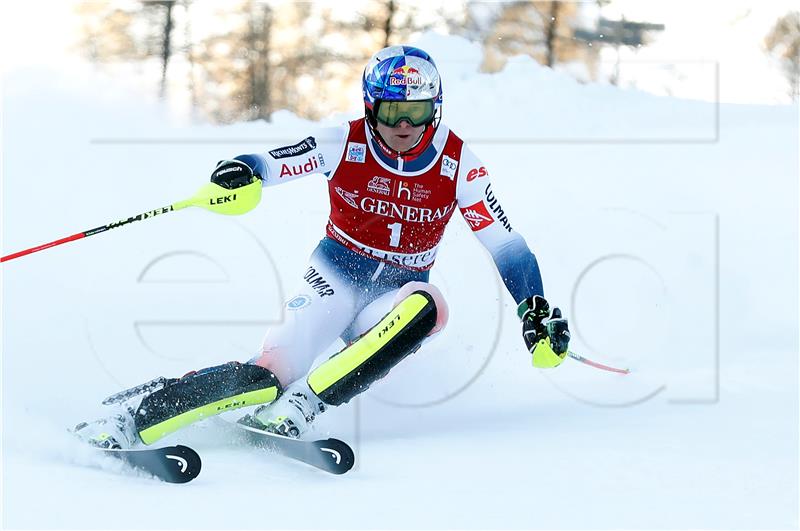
x: 394, y: 239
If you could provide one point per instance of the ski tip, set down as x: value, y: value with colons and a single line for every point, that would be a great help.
x: 343, y: 459
x: 185, y: 461
x: 170, y: 464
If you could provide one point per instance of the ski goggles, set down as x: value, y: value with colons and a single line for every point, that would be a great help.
x: 414, y: 112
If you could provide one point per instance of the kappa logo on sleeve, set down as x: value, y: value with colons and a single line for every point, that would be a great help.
x: 304, y: 146
x: 449, y: 167
x: 356, y: 152
x: 477, y: 216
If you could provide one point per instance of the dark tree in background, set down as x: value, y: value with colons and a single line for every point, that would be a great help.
x: 259, y: 64
x: 164, y: 11
x: 188, y: 52
x: 783, y: 42
x: 390, y: 22
x: 543, y: 30
x: 126, y: 31
x: 270, y: 56
x: 231, y: 65
x: 551, y: 33
x: 391, y: 10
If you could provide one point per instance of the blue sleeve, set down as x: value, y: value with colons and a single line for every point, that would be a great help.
x: 489, y: 221
x: 518, y: 268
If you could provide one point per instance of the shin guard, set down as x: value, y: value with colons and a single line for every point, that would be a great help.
x: 204, y: 394
x: 370, y: 358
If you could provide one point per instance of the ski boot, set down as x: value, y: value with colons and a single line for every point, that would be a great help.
x: 118, y: 430
x: 150, y: 411
x: 291, y: 415
x: 115, y: 432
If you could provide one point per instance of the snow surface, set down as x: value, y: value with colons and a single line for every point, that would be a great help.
x: 666, y: 229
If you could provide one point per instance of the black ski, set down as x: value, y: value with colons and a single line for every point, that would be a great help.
x: 330, y: 455
x: 173, y: 464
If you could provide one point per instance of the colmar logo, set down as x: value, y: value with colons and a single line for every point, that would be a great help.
x: 477, y: 216
x: 299, y: 169
x: 405, y: 76
x: 495, y: 206
x: 476, y: 173
x: 318, y: 283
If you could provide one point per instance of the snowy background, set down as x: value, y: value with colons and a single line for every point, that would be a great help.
x: 666, y: 229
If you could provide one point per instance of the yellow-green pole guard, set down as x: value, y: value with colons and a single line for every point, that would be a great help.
x: 219, y: 200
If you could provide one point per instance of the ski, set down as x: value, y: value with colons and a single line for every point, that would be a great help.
x: 173, y: 464
x: 330, y: 455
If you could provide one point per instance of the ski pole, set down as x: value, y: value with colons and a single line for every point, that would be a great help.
x: 580, y: 358
x: 211, y: 197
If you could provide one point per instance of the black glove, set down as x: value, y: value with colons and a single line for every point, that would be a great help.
x: 232, y: 174
x: 546, y: 334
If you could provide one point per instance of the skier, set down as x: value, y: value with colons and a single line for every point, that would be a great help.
x: 395, y: 178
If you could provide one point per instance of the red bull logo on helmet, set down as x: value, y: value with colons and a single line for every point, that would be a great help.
x: 405, y: 76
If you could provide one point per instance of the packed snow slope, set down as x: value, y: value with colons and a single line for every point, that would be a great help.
x: 667, y: 230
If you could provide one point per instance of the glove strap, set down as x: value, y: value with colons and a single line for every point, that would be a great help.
x: 529, y: 304
x: 523, y: 308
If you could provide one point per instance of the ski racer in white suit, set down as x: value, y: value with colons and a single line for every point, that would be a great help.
x: 395, y: 178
